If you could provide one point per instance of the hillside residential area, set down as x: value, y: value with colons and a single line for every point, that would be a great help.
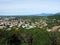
x: 30, y: 30
x: 7, y: 22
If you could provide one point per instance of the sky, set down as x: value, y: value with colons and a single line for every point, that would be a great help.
x: 28, y: 7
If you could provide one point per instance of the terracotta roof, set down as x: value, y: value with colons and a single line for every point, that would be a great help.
x: 55, y: 28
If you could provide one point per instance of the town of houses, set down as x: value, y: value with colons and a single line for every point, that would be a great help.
x: 6, y: 23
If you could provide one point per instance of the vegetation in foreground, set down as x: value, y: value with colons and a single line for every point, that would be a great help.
x: 34, y: 36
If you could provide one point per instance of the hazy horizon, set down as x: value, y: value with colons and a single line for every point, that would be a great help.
x: 29, y: 7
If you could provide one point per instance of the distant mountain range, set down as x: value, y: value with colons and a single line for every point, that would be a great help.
x: 46, y: 14
x: 42, y: 14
